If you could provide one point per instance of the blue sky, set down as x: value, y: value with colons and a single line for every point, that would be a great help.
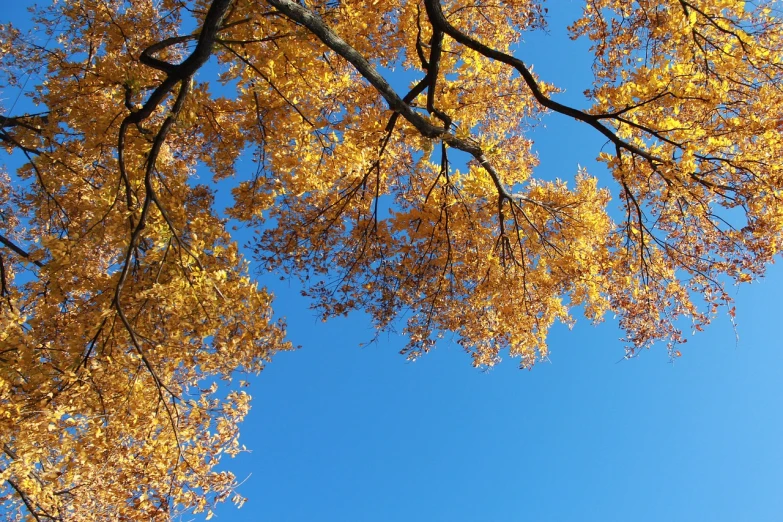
x: 343, y: 433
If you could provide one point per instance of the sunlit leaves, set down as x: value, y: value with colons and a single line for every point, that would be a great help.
x: 125, y: 300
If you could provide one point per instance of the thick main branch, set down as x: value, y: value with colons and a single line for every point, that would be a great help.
x: 315, y: 24
x: 439, y: 22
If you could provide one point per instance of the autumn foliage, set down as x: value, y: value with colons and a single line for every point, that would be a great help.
x: 125, y: 300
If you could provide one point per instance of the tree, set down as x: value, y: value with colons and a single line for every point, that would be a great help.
x: 125, y: 300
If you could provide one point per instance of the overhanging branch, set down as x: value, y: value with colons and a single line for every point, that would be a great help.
x: 439, y: 22
x: 19, y: 251
x: 315, y: 24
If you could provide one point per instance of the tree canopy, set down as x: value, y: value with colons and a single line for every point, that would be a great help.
x: 124, y: 299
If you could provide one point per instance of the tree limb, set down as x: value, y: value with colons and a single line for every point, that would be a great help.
x: 10, y: 244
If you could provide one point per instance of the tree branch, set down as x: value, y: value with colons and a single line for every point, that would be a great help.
x: 313, y: 22
x: 10, y: 244
x: 438, y: 20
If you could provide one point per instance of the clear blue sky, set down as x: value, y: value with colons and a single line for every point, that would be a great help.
x: 342, y: 433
